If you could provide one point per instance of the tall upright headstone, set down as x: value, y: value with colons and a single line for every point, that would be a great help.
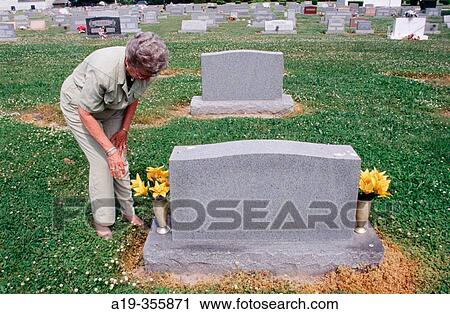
x: 242, y: 82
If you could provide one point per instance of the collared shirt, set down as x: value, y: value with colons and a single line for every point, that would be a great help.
x: 100, y: 82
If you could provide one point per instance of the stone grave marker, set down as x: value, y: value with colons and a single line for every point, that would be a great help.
x: 242, y: 82
x: 38, y: 25
x: 363, y: 27
x: 279, y: 27
x: 241, y: 206
x: 7, y: 32
x: 336, y: 25
x: 193, y: 26
x: 432, y: 29
x: 433, y: 11
x: 21, y: 21
x: 150, y: 17
x: 370, y: 11
x: 129, y: 24
x: 447, y: 20
x: 382, y: 12
x: 405, y: 26
x: 111, y: 25
x: 310, y: 10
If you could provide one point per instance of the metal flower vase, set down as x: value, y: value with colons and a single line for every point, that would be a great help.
x: 362, y: 216
x: 161, y: 210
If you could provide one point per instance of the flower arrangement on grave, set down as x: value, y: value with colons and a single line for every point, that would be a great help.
x: 372, y: 184
x: 157, y: 188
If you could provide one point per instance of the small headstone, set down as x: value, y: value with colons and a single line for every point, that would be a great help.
x: 310, y: 10
x: 21, y: 21
x: 433, y: 11
x: 370, y: 11
x: 432, y: 29
x: 7, y: 32
x: 364, y: 27
x: 150, y: 18
x: 193, y: 26
x: 335, y: 25
x: 382, y: 12
x: 242, y: 82
x: 111, y: 25
x: 447, y: 20
x: 405, y: 27
x: 129, y: 24
x: 38, y: 25
x: 279, y: 27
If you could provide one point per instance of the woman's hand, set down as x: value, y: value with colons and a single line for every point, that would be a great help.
x: 119, y: 140
x: 116, y: 165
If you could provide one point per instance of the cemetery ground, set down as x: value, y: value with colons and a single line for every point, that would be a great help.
x: 388, y: 99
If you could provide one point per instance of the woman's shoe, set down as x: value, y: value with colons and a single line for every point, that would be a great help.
x: 103, y: 232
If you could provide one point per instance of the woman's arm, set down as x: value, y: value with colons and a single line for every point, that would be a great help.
x: 129, y: 114
x: 94, y: 129
x: 115, y: 161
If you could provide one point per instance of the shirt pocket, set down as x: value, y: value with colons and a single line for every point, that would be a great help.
x: 114, y: 98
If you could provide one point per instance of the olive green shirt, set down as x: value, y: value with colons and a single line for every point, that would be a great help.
x: 99, y: 82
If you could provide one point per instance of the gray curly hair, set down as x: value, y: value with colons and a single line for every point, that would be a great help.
x: 148, y: 52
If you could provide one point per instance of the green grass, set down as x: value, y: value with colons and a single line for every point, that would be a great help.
x: 392, y: 122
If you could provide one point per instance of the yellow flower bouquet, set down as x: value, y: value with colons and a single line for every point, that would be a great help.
x: 157, y: 186
x: 373, y: 184
x: 157, y: 189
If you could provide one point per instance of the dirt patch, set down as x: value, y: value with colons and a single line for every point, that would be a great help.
x: 179, y: 71
x: 45, y: 115
x: 143, y: 120
x: 396, y: 274
x: 441, y: 80
x: 445, y: 113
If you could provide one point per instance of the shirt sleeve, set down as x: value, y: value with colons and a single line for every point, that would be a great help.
x: 92, y: 93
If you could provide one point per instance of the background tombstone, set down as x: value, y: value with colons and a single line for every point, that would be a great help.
x: 370, y: 11
x: 242, y: 82
x: 150, y: 17
x: 110, y: 23
x: 129, y: 24
x: 432, y: 29
x: 405, y: 26
x: 280, y: 27
x: 7, y: 32
x: 310, y: 10
x: 193, y: 26
x: 336, y: 25
x: 363, y: 27
x: 447, y: 20
x: 270, y: 214
x: 382, y: 12
x: 21, y: 21
x: 38, y: 25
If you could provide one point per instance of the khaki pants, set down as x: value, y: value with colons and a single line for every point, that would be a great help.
x: 103, y: 188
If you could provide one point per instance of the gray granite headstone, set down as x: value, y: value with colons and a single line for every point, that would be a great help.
x: 432, y: 29
x: 7, y: 32
x: 363, y: 27
x: 281, y: 206
x: 336, y: 25
x: 193, y: 26
x: 129, y: 24
x: 242, y: 82
x: 21, y: 21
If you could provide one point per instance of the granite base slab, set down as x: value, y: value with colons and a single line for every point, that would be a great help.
x: 283, y: 105
x: 161, y: 254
